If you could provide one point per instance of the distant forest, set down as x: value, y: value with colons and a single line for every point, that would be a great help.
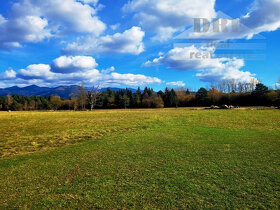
x: 83, y: 99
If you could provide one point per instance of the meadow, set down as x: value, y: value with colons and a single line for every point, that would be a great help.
x: 151, y: 159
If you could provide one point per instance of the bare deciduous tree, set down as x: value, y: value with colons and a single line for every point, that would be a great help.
x: 253, y: 84
x: 9, y: 101
x: 221, y: 86
x: 236, y: 86
x: 92, y: 96
x: 82, y: 95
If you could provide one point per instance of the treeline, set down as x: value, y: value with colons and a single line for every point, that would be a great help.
x: 83, y: 99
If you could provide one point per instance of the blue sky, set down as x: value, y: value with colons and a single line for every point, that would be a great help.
x: 133, y: 43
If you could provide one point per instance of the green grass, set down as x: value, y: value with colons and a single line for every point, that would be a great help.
x: 166, y: 158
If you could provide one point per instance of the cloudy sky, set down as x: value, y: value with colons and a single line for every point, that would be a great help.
x: 131, y: 43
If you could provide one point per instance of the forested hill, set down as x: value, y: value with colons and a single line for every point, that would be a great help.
x: 33, y: 90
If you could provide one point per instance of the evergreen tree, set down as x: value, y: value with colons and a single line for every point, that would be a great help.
x: 260, y: 90
x: 124, y: 101
x: 137, y: 98
x: 173, y: 98
x: 201, y: 97
x: 130, y: 97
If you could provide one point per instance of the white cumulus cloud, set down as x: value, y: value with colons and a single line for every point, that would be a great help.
x: 130, y: 41
x: 209, y: 69
x: 71, y: 71
x: 177, y: 83
x: 36, y: 20
x: 9, y: 74
x: 70, y: 64
x: 165, y: 17
x: 108, y: 70
x: 36, y: 71
x: 133, y: 79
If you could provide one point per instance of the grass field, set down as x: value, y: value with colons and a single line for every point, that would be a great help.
x: 166, y: 158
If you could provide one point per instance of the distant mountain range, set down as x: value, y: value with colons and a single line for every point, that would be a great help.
x: 33, y: 90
